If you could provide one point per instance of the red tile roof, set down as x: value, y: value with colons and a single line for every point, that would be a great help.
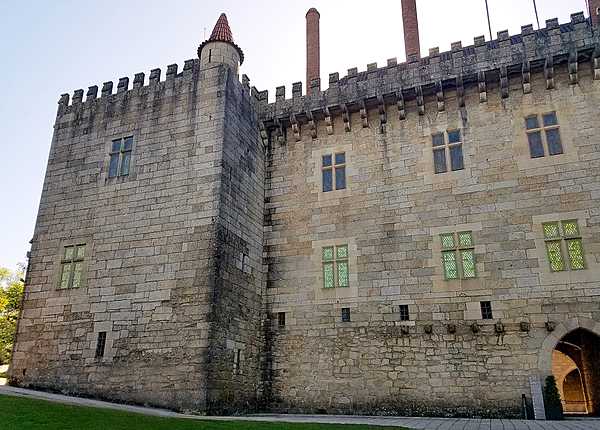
x: 221, y: 32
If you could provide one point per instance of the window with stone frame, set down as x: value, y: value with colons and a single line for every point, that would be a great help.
x: 543, y: 137
x: 120, y: 157
x: 333, y: 169
x: 404, y: 313
x: 345, y: 314
x: 335, y: 266
x: 71, y: 266
x: 564, y: 246
x: 486, y: 310
x: 458, y: 255
x: 281, y: 319
x: 100, y: 344
x: 447, y: 151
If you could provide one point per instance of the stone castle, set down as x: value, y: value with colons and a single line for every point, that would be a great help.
x: 418, y: 238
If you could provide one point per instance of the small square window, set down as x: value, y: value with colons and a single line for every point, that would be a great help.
x: 100, y: 344
x: 281, y: 319
x: 550, y: 119
x: 532, y: 122
x: 486, y: 310
x: 326, y: 160
x: 340, y: 158
x: 345, y: 314
x: 404, y: 313
x: 454, y: 136
x: 438, y: 139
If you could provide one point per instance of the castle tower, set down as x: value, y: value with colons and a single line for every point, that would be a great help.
x: 220, y: 47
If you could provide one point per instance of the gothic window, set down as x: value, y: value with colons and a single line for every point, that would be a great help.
x: 404, y: 313
x: 458, y: 255
x: 447, y: 151
x: 345, y: 314
x: 71, y: 266
x: 100, y: 344
x: 564, y: 246
x: 120, y: 157
x: 486, y: 310
x: 335, y: 266
x: 543, y: 138
x: 334, y: 171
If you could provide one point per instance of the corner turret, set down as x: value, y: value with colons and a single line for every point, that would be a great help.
x: 220, y: 47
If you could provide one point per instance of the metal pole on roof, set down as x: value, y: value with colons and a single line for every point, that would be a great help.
x: 487, y: 9
x: 537, y: 18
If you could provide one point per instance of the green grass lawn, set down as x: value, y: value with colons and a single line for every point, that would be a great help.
x: 17, y: 413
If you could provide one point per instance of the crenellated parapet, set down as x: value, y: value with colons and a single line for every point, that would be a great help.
x: 154, y: 85
x: 482, y: 65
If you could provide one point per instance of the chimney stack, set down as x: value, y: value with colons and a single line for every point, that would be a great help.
x: 595, y: 11
x: 411, y: 29
x: 313, y: 49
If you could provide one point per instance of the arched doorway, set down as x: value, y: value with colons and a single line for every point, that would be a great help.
x: 576, y: 367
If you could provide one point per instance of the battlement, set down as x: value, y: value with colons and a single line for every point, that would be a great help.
x: 173, y: 77
x: 479, y: 64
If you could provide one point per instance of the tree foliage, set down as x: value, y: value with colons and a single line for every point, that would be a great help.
x: 11, y: 291
x: 554, y: 409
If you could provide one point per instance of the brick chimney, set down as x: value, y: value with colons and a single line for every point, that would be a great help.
x: 595, y: 11
x: 313, y: 49
x: 411, y: 29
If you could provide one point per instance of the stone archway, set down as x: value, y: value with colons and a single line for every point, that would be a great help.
x: 572, y: 353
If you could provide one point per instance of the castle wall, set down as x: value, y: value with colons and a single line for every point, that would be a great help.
x: 391, y: 216
x: 150, y: 267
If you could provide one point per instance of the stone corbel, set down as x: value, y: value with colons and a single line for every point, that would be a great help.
x: 549, y: 72
x: 328, y: 121
x: 439, y: 94
x: 263, y: 133
x: 279, y: 135
x: 382, y: 114
x: 573, y: 68
x: 504, y: 82
x: 526, y: 77
x: 460, y: 91
x: 364, y: 117
x: 596, y: 62
x: 295, y: 127
x: 311, y: 124
x: 420, y: 100
x: 482, y: 84
x: 346, y: 118
x: 401, y: 105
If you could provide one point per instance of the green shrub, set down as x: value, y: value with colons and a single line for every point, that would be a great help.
x: 554, y: 409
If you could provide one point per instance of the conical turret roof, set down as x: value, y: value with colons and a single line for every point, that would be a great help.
x: 222, y: 33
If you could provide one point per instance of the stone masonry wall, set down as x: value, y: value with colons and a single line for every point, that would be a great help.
x: 391, y: 216
x: 236, y: 341
x: 150, y: 265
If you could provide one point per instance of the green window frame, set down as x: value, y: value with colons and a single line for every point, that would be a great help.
x: 335, y: 266
x: 71, y: 266
x: 564, y: 245
x: 458, y: 255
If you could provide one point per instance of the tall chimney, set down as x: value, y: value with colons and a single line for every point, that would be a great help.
x: 313, y: 49
x: 411, y: 29
x: 595, y: 11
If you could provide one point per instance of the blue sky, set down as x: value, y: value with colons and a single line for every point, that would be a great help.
x: 49, y: 48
